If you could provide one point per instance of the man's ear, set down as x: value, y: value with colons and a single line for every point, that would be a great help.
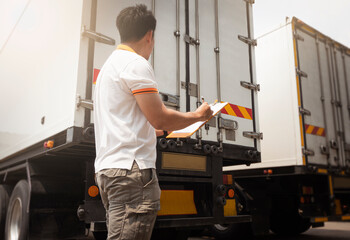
x: 149, y: 36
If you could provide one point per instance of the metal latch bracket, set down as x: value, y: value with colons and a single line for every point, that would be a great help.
x: 230, y: 127
x: 192, y: 88
x: 228, y: 124
x: 85, y: 103
x: 255, y: 135
x: 98, y: 37
x: 301, y: 73
x: 304, y: 111
x: 191, y: 40
x: 170, y: 100
x: 250, y: 86
x: 247, y: 40
x: 308, y: 152
x: 298, y: 37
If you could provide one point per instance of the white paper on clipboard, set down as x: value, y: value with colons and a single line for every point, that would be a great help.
x: 190, y: 130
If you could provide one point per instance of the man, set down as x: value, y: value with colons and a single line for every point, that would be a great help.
x: 127, y: 111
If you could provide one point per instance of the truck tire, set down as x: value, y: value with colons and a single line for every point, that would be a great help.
x: 4, y: 200
x: 231, y: 231
x: 17, y: 217
x: 289, y: 225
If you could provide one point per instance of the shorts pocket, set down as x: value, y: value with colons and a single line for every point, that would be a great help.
x: 151, y: 191
x: 152, y: 177
x: 139, y: 220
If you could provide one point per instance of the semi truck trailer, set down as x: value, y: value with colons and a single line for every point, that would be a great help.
x: 303, y: 179
x: 50, y: 56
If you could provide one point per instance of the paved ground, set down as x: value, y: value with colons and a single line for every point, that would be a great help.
x: 331, y: 231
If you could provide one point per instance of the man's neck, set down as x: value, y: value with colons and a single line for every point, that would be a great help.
x: 138, y: 47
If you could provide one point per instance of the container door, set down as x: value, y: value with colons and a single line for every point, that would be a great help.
x: 313, y: 90
x: 197, y: 43
x: 214, y: 62
x: 318, y: 71
x: 342, y: 100
x: 346, y: 103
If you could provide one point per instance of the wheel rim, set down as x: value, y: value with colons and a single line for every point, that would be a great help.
x: 15, y: 220
x: 220, y: 227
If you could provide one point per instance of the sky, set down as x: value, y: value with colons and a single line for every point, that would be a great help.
x: 330, y: 17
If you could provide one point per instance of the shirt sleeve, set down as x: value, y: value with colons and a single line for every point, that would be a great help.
x: 139, y: 77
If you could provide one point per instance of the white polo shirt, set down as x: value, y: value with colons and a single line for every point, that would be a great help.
x: 122, y: 132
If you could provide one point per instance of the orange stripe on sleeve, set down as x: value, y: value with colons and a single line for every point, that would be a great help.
x: 145, y: 90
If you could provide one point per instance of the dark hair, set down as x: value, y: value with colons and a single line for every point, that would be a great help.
x: 134, y: 22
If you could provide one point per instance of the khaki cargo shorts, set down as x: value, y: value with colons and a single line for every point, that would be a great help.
x: 131, y: 199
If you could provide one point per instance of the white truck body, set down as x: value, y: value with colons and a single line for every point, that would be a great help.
x: 44, y: 64
x: 304, y: 99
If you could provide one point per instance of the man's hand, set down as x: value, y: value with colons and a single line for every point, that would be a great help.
x: 159, y: 132
x: 204, y: 112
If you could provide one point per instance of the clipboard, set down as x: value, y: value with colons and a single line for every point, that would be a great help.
x: 190, y: 130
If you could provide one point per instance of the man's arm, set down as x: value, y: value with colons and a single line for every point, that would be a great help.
x: 167, y: 119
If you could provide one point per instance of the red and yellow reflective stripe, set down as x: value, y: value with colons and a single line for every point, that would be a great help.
x: 145, y: 90
x: 96, y: 72
x: 310, y: 129
x: 238, y: 111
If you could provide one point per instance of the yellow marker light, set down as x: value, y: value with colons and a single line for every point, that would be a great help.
x: 321, y: 219
x: 48, y: 144
x: 93, y: 191
x: 231, y: 193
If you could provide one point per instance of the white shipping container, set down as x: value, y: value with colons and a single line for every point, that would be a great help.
x: 48, y: 61
x: 304, y: 102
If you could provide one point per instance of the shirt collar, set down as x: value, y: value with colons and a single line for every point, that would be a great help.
x: 125, y: 47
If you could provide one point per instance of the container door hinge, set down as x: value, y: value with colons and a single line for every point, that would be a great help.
x: 308, y: 152
x: 230, y: 127
x: 336, y: 103
x: 304, y: 111
x: 250, y: 1
x: 301, y: 73
x: 247, y: 40
x: 298, y: 37
x: 192, y: 88
x: 98, y: 37
x: 191, y: 40
x: 85, y: 103
x: 250, y: 86
x: 324, y: 150
x: 170, y: 100
x: 255, y: 135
